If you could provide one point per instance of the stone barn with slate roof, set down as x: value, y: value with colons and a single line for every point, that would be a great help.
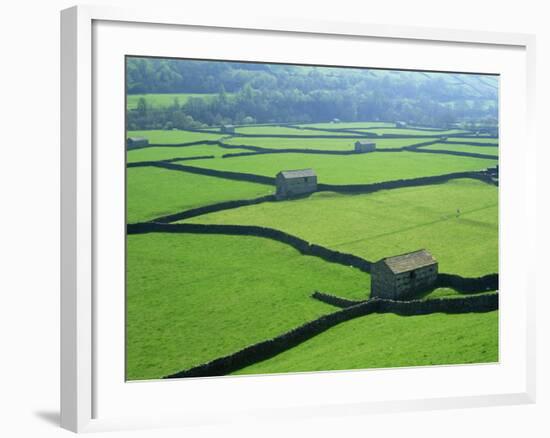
x: 401, y: 277
x: 136, y: 142
x: 227, y: 129
x: 400, y: 124
x: 364, y: 146
x: 295, y: 182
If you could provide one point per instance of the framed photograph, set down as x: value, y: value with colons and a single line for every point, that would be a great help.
x: 334, y: 211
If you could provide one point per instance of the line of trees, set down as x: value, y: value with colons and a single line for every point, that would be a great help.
x: 264, y: 93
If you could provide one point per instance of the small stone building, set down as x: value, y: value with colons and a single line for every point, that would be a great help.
x: 365, y: 146
x: 400, y: 124
x: 335, y: 120
x: 401, y: 277
x: 227, y: 129
x: 136, y: 142
x: 295, y: 182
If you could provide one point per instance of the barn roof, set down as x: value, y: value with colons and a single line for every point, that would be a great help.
x: 410, y: 261
x: 301, y: 173
x: 365, y: 142
x: 137, y: 138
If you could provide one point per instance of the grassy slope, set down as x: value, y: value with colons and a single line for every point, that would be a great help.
x: 380, y: 341
x: 353, y: 169
x: 153, y: 192
x: 486, y: 150
x: 319, y: 143
x: 192, y: 298
x: 392, y: 222
x: 158, y: 136
x: 159, y: 100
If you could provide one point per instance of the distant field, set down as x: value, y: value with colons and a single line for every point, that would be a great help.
x: 407, y: 131
x: 347, y: 125
x: 391, y: 222
x: 319, y: 143
x: 382, y: 341
x: 159, y: 136
x: 352, y: 169
x: 163, y: 99
x: 475, y: 139
x: 163, y: 153
x: 283, y: 130
x: 153, y: 192
x: 188, y: 300
x: 486, y: 150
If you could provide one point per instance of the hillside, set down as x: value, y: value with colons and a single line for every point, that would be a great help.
x: 212, y: 93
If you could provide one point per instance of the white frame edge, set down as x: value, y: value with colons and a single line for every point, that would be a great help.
x: 76, y: 219
x: 77, y: 193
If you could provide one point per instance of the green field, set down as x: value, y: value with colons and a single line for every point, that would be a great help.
x: 163, y: 153
x: 283, y: 130
x: 159, y: 100
x: 485, y: 150
x: 475, y: 139
x: 173, y: 136
x: 153, y: 192
x: 383, y: 341
x: 192, y: 298
x: 343, y: 144
x: 352, y: 169
x: 348, y: 125
x: 391, y: 222
x: 188, y: 300
x: 412, y: 131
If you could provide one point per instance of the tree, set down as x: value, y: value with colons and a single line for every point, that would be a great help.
x: 142, y: 107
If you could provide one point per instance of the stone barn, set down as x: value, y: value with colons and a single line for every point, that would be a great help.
x: 400, y: 124
x: 295, y: 182
x: 227, y: 129
x: 401, y: 277
x: 335, y: 120
x: 365, y: 146
x: 136, y: 142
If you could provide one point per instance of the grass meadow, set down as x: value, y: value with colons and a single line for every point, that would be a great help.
x: 391, y: 222
x: 159, y: 153
x: 476, y: 139
x: 387, y: 340
x: 283, y: 130
x: 344, y: 144
x: 348, y: 125
x: 152, y: 192
x: 485, y: 150
x: 412, y: 131
x: 352, y: 169
x: 192, y: 298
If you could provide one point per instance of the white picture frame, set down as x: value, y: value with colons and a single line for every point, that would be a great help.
x: 82, y: 275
